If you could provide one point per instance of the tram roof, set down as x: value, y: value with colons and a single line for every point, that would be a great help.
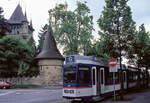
x: 74, y: 59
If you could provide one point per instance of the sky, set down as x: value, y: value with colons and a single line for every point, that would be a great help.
x: 37, y: 11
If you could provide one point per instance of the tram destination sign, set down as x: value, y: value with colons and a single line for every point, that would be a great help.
x: 113, y: 65
x: 70, y: 59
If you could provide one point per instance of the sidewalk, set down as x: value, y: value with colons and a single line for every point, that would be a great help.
x: 2, y: 91
x: 31, y: 88
x: 134, y: 97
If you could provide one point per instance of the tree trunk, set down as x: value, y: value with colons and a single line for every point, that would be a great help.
x: 138, y: 81
x: 121, y: 81
x: 147, y: 78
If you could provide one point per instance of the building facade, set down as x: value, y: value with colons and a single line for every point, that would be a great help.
x: 19, y: 25
x: 50, y: 62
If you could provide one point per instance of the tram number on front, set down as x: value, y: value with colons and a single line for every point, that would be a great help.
x: 70, y: 59
x: 69, y: 91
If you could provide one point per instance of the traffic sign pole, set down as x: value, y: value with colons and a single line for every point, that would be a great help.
x: 113, y: 68
x: 114, y: 86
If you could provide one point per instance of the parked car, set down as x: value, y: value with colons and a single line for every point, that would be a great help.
x: 5, y: 85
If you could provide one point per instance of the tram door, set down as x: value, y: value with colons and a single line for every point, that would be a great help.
x: 96, y: 80
x: 102, y: 80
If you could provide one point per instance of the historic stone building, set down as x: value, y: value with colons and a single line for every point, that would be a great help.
x: 21, y: 28
x: 19, y: 25
x: 50, y: 62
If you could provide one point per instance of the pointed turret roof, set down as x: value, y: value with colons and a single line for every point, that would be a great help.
x: 31, y: 26
x: 49, y: 50
x: 18, y: 16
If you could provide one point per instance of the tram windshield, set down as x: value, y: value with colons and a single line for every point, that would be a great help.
x: 84, y: 75
x: 70, y: 75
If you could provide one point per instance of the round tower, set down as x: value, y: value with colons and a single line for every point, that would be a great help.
x: 50, y: 61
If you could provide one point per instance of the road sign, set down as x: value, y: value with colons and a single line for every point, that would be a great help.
x: 113, y: 65
x: 112, y: 62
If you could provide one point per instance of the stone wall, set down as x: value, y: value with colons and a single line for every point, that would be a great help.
x: 50, y: 73
x: 46, y: 62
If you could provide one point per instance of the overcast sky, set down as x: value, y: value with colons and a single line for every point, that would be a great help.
x: 37, y: 10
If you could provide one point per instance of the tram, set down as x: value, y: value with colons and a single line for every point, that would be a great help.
x: 88, y: 78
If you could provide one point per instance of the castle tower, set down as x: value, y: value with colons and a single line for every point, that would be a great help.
x: 19, y: 25
x: 50, y: 61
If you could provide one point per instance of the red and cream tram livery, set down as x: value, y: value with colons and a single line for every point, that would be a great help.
x: 88, y: 78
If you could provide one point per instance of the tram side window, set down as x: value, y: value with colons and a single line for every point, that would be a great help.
x: 132, y: 76
x: 124, y: 76
x: 84, y: 75
x: 109, y: 77
x: 117, y: 77
x: 102, y: 79
x: 93, y: 76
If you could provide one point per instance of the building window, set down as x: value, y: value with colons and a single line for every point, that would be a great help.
x: 40, y: 68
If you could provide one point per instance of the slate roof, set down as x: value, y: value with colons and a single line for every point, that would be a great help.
x: 17, y: 17
x: 49, y: 50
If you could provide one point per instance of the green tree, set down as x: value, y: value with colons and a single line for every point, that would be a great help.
x: 31, y: 43
x: 117, y: 26
x: 105, y: 47
x: 16, y: 57
x: 72, y: 29
x: 140, y: 50
x: 34, y: 70
x: 4, y: 27
x: 146, y: 61
x: 139, y: 47
x: 41, y: 38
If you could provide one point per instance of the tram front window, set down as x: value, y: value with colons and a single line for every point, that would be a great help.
x: 84, y: 75
x: 69, y: 75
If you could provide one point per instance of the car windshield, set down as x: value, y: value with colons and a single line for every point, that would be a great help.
x: 70, y: 75
x: 3, y: 82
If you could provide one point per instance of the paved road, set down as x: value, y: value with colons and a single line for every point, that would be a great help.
x: 55, y: 96
x: 32, y: 96
x: 134, y: 97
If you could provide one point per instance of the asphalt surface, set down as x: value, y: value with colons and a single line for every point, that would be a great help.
x: 55, y: 96
x: 142, y: 96
x: 32, y: 96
